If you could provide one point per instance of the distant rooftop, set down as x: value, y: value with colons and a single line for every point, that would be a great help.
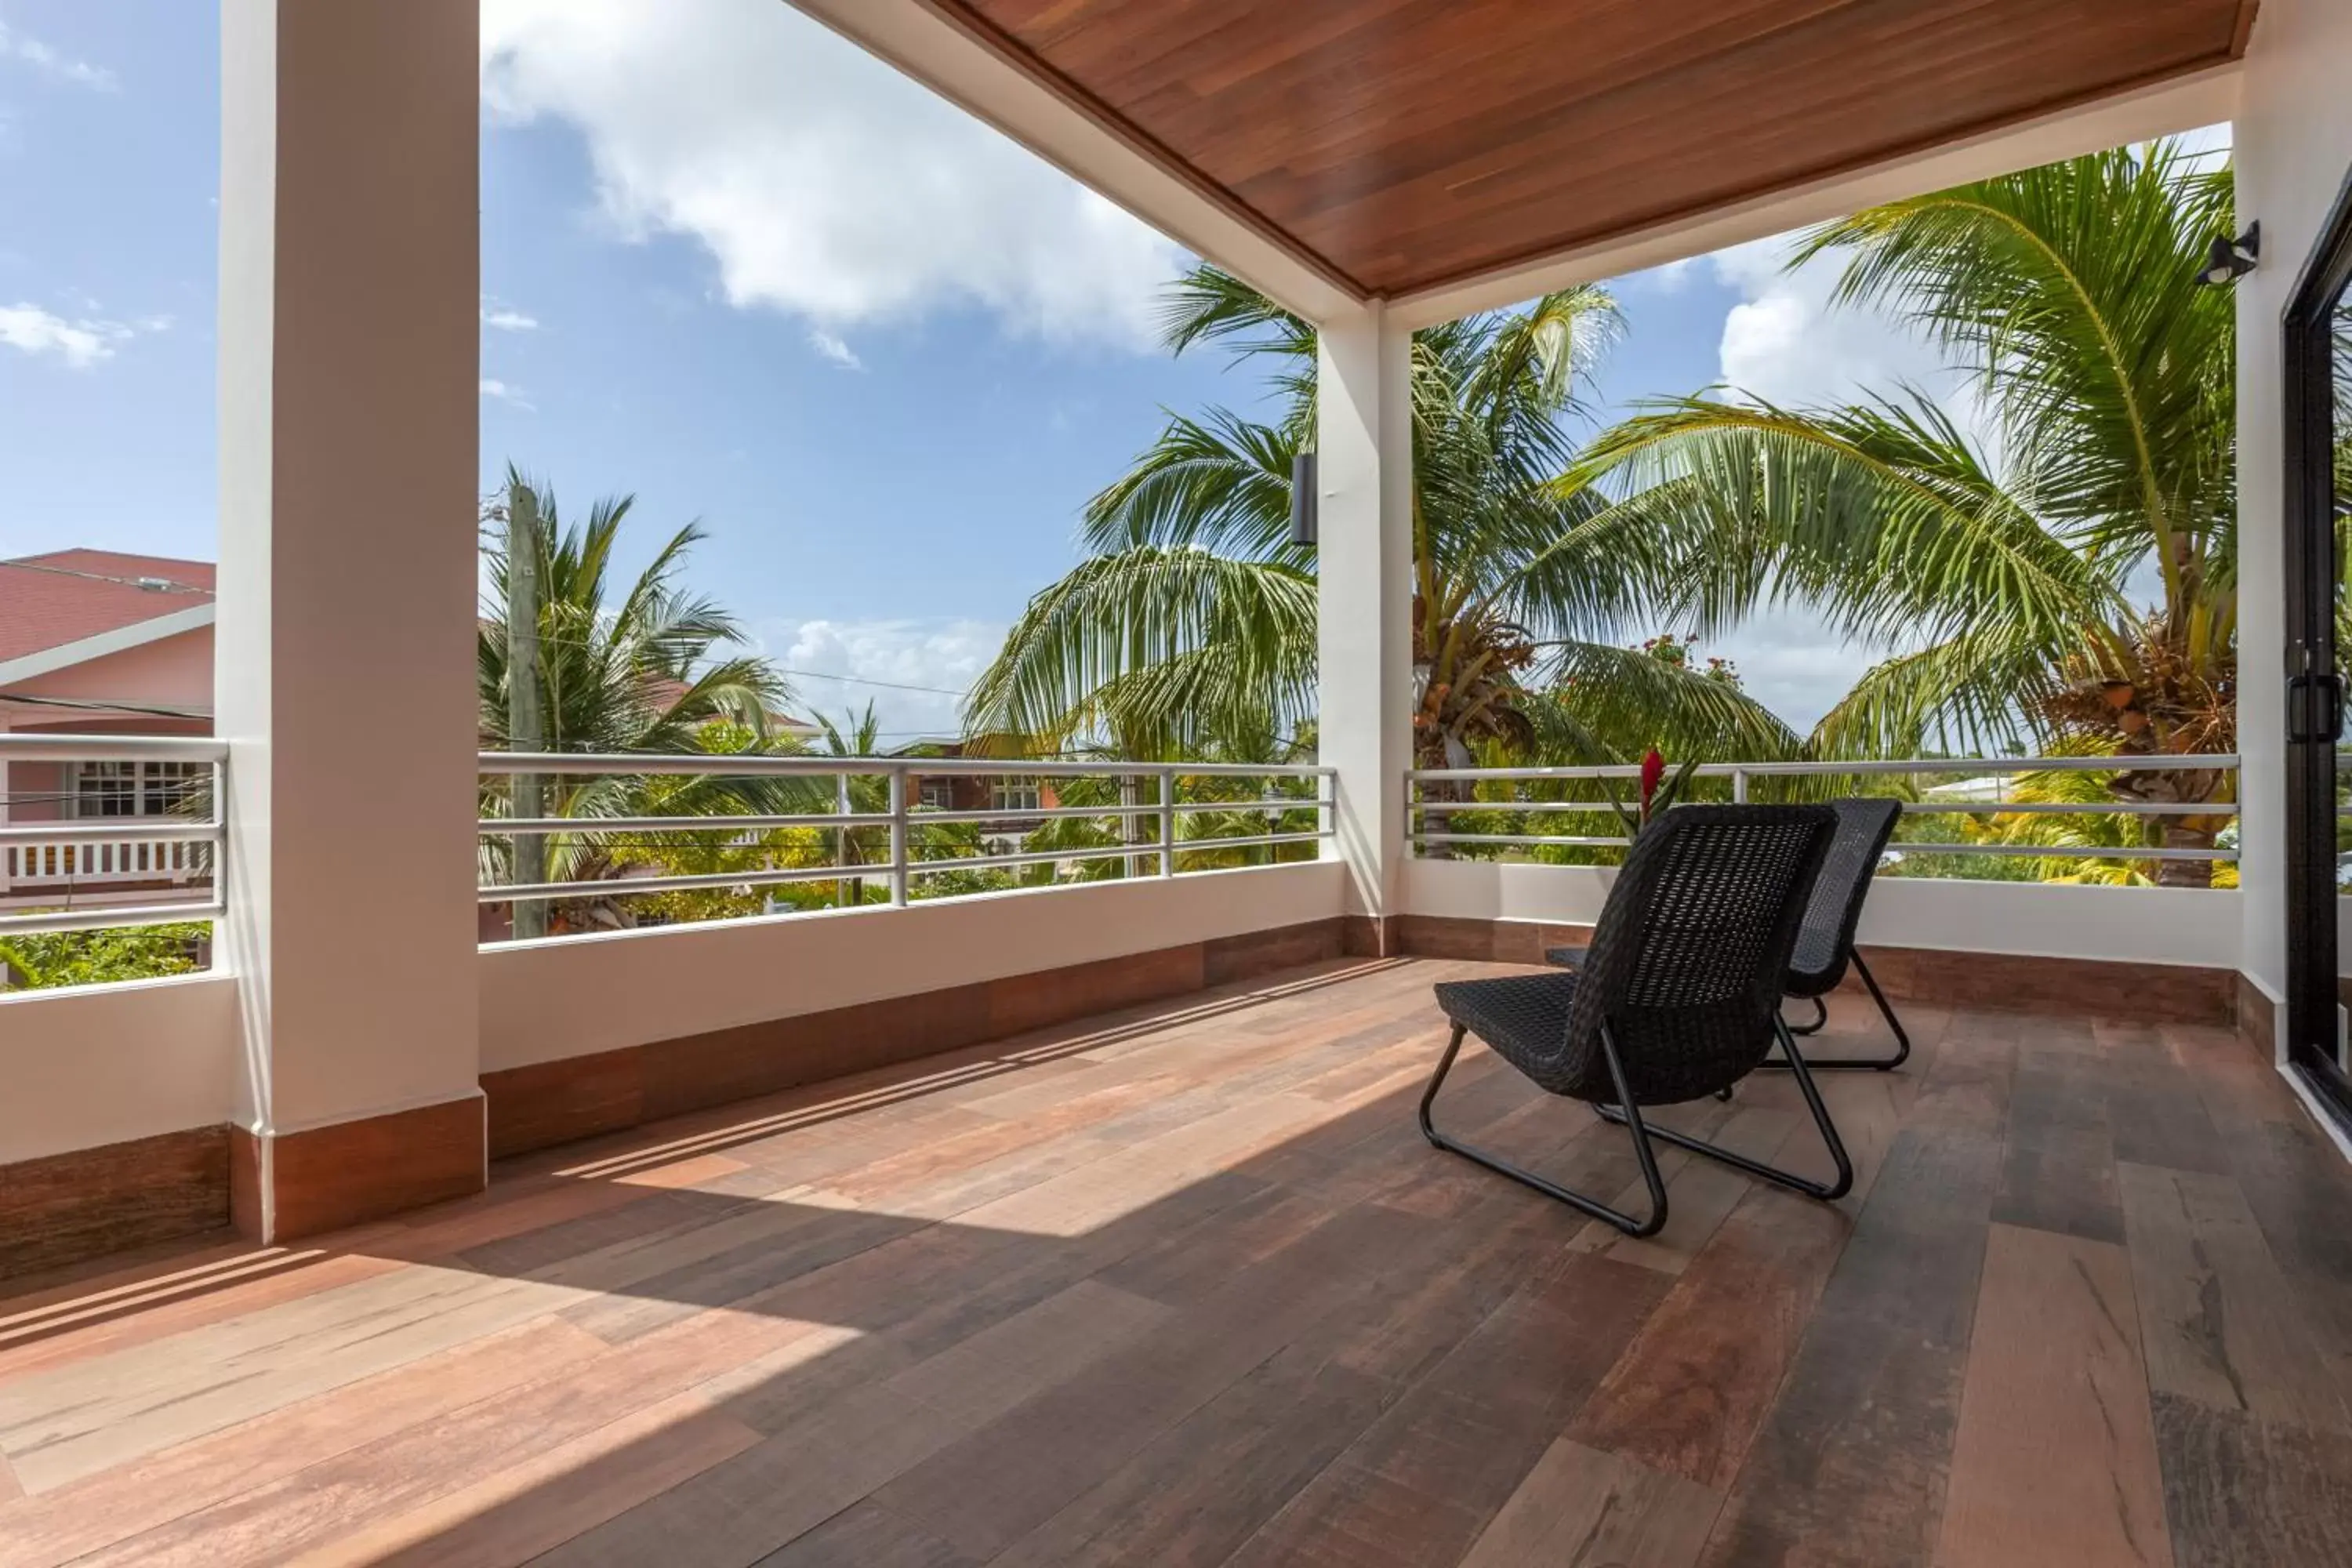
x: 70, y: 595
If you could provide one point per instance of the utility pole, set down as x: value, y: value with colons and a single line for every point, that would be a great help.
x: 526, y: 723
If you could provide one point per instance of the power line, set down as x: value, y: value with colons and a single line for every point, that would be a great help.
x: 145, y: 584
x: 866, y: 680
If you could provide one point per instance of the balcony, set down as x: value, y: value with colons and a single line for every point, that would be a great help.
x: 829, y: 1183
x: 1181, y: 1283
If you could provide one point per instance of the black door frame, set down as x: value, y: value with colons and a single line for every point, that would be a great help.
x: 2314, y: 688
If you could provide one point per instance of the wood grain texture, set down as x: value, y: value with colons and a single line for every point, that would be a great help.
x: 330, y: 1177
x: 1181, y: 1284
x: 1410, y: 142
x: 2242, y: 1492
x: 69, y: 1208
x: 2223, y: 1327
x: 2055, y: 1460
x: 1581, y: 1507
x: 551, y: 1103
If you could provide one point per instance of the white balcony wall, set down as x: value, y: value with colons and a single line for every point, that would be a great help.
x: 2293, y: 145
x: 571, y: 996
x: 2141, y: 925
x: 105, y: 1064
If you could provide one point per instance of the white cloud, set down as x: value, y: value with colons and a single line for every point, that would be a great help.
x: 822, y: 182
x: 502, y: 392
x: 944, y: 656
x: 81, y: 342
x: 50, y: 63
x: 501, y: 317
x: 830, y: 345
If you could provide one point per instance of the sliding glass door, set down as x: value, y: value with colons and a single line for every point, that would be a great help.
x: 2319, y: 627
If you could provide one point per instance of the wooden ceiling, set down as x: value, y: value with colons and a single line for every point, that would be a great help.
x: 1401, y: 144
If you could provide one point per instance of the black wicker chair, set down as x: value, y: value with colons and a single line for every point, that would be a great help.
x: 1825, y: 942
x: 1677, y: 999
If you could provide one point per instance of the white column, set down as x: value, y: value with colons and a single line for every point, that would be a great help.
x: 1364, y: 457
x: 349, y: 362
x: 2294, y: 144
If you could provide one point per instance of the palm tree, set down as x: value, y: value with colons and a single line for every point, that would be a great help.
x: 1190, y: 628
x: 2021, y: 579
x: 643, y: 675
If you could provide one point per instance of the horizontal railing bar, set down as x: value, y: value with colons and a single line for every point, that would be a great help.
x: 114, y: 829
x: 630, y: 886
x: 1184, y: 845
x: 1564, y: 839
x: 1910, y: 808
x: 2035, y: 851
x: 1114, y: 852
x: 104, y: 918
x: 2060, y: 809
x: 113, y: 749
x: 1998, y: 766
x: 1448, y: 807
x: 502, y: 827
x: 724, y: 766
x: 917, y: 815
x: 2061, y: 852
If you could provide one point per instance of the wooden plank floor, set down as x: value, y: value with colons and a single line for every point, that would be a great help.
x: 1183, y: 1285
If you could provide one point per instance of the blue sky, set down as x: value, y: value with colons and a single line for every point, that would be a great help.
x: 738, y: 269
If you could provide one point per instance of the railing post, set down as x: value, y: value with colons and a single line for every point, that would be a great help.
x: 1739, y: 785
x: 898, y: 837
x: 841, y: 886
x: 1130, y: 795
x: 1166, y: 822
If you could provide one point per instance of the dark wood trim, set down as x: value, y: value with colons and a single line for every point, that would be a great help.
x: 329, y: 1177
x: 2156, y: 993
x: 2257, y: 1020
x: 67, y: 1208
x: 1539, y: 253
x: 247, y: 1212
x: 1110, y: 122
x: 548, y: 1103
x: 2244, y: 33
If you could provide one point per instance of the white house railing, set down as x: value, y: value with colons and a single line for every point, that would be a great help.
x: 49, y: 863
x: 1152, y: 839
x: 1977, y: 787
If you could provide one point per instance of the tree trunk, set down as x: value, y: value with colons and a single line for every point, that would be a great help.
x: 2178, y: 832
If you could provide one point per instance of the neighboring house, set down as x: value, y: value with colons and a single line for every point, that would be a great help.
x: 92, y: 641
x: 983, y: 791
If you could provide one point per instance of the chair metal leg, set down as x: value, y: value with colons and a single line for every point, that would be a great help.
x: 1849, y: 1064
x: 1821, y: 1016
x: 1577, y: 1201
x: 1834, y: 1190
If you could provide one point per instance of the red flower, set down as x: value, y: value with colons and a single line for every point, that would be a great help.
x: 1653, y: 769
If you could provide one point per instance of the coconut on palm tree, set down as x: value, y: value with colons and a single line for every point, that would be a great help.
x: 2075, y: 587
x: 1191, y: 626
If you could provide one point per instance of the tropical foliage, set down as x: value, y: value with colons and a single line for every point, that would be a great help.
x: 1191, y: 626
x: 96, y: 957
x: 644, y: 673
x: 2073, y: 588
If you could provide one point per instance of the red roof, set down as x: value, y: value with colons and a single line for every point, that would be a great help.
x: 68, y: 595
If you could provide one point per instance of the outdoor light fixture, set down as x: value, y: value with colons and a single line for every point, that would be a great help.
x: 1303, y: 509
x: 2233, y: 258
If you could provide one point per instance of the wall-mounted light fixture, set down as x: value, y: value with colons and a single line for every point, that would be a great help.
x: 1304, y: 511
x: 2232, y: 259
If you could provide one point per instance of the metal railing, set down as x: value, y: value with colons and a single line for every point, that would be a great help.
x: 1431, y: 821
x: 58, y: 859
x: 899, y: 818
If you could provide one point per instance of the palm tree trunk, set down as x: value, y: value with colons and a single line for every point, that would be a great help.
x: 2180, y: 788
